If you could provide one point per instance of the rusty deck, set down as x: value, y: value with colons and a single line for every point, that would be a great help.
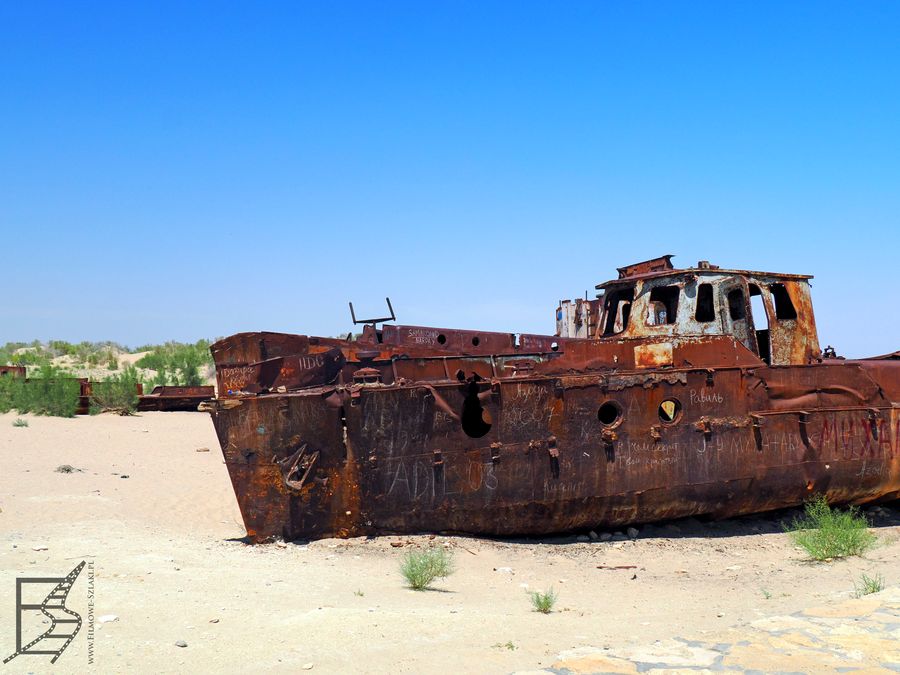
x: 172, y: 398
x: 673, y: 403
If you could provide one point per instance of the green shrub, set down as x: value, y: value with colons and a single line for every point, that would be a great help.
x: 827, y: 533
x: 50, y: 391
x: 176, y: 363
x: 19, y: 422
x: 509, y: 645
x: 869, y: 585
x: 543, y: 602
x: 116, y: 393
x: 421, y: 568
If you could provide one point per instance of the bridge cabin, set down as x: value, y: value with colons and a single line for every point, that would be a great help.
x: 770, y: 314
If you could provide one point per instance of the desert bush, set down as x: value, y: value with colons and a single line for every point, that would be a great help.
x: 177, y: 363
x: 116, y: 393
x: 50, y: 391
x: 868, y: 585
x: 7, y: 393
x: 19, y: 422
x: 826, y: 533
x: 421, y: 568
x: 543, y: 602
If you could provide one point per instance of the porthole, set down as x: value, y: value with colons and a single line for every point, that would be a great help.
x: 475, y: 341
x: 441, y: 338
x: 610, y: 414
x: 669, y: 411
x: 554, y: 346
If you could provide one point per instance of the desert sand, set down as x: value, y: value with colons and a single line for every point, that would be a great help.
x: 158, y: 520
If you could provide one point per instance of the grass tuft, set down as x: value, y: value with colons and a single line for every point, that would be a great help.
x: 826, y: 533
x: 19, y: 422
x: 421, y: 568
x: 543, y: 602
x: 868, y: 585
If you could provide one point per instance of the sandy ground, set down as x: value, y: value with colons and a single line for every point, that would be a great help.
x: 169, y: 564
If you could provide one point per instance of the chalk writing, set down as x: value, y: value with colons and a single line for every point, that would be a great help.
x: 422, y: 336
x: 416, y: 479
x: 705, y: 397
x: 236, y: 378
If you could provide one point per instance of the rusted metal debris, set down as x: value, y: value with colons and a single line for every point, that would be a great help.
x: 12, y: 371
x: 664, y: 397
x: 169, y: 398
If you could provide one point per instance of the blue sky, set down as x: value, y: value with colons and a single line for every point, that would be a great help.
x: 172, y: 172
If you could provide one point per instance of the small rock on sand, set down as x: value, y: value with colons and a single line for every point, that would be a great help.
x: 181, y: 643
x: 202, y: 450
x: 67, y: 468
x: 632, y: 532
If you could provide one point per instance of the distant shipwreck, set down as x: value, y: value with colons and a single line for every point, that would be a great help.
x: 664, y: 397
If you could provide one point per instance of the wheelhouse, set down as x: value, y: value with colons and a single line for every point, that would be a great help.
x: 771, y: 314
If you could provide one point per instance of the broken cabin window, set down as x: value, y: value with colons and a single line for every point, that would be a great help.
x: 705, y: 310
x: 784, y: 307
x: 618, y: 310
x: 663, y: 305
x: 737, y: 307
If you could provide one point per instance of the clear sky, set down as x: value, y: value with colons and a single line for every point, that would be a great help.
x: 175, y: 172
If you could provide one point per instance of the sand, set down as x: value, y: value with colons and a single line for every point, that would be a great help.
x: 170, y: 565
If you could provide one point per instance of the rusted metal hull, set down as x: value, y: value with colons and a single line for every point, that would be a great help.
x: 423, y: 429
x: 171, y: 398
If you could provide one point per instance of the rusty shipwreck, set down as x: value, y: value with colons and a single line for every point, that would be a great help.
x: 663, y: 397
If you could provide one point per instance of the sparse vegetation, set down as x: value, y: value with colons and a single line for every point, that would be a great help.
x: 176, y: 363
x: 19, y: 422
x: 543, y: 602
x: 116, y: 393
x: 766, y: 594
x: 50, y: 391
x: 826, y: 533
x: 505, y: 645
x: 37, y: 354
x: 421, y: 568
x: 53, y: 368
x: 868, y: 585
x: 358, y: 593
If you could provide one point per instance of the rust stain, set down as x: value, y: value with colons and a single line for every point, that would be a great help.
x: 653, y: 355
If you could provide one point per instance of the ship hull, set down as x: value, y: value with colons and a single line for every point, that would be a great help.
x: 551, y: 453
